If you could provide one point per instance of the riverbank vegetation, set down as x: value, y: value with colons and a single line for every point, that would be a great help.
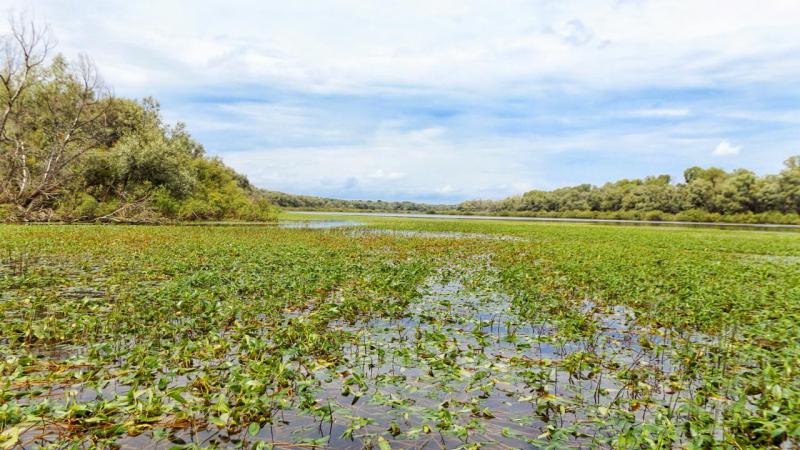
x: 704, y: 195
x: 311, y: 202
x: 72, y: 151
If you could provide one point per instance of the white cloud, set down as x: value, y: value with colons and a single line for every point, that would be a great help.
x: 381, y: 174
x: 661, y: 112
x: 453, y: 98
x: 350, y: 46
x: 393, y: 165
x: 725, y: 148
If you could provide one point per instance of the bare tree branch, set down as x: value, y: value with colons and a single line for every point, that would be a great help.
x: 50, y: 116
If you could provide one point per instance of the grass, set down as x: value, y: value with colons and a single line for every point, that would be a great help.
x: 399, y: 333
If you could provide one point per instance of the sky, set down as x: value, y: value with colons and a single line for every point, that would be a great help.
x: 442, y: 101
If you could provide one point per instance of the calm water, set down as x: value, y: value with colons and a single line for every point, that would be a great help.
x: 318, y: 224
x: 665, y: 224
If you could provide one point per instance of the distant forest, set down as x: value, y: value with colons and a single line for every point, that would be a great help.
x: 704, y: 195
x: 333, y: 204
x: 71, y: 151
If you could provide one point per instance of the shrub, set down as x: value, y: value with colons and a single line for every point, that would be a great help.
x: 8, y: 212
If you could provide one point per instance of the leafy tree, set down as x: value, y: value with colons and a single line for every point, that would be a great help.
x: 705, y: 194
x: 789, y: 185
x: 71, y: 151
x: 53, y: 115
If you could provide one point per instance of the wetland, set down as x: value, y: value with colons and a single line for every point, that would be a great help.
x: 383, y: 332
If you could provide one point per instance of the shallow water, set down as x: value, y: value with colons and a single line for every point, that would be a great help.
x: 621, y: 222
x: 356, y: 229
x: 462, y: 368
x: 463, y: 364
x: 318, y: 224
x: 433, y: 234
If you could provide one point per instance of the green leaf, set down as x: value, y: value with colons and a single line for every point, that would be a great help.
x: 383, y: 444
x: 217, y: 421
x: 10, y: 437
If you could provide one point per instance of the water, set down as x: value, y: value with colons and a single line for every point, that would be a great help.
x: 459, y: 368
x: 461, y: 365
x: 318, y: 224
x: 665, y: 224
x: 357, y: 229
x: 433, y: 234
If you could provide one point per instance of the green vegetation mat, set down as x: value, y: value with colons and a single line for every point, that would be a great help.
x: 398, y: 333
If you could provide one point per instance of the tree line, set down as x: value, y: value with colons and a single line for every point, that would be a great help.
x: 70, y: 150
x: 285, y: 200
x: 711, y: 194
x: 704, y: 195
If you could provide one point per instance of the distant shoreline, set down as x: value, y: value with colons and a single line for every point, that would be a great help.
x: 555, y: 219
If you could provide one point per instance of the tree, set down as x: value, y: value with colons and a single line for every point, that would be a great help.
x: 25, y: 51
x: 52, y: 116
x: 789, y: 183
x: 70, y: 151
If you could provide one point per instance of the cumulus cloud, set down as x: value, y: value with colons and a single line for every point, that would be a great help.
x: 391, y: 165
x: 346, y: 46
x: 381, y: 174
x: 574, y: 32
x: 453, y: 99
x: 725, y: 148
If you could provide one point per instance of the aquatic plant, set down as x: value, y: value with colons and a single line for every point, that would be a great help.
x: 440, y: 333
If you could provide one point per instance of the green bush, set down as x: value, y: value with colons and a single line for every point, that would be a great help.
x: 654, y: 216
x: 165, y: 203
x: 197, y: 209
x: 8, y: 212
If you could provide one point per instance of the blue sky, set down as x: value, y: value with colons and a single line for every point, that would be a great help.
x: 442, y: 101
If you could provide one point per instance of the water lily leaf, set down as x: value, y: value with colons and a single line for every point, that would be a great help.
x: 383, y: 444
x: 10, y: 438
x: 217, y: 421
